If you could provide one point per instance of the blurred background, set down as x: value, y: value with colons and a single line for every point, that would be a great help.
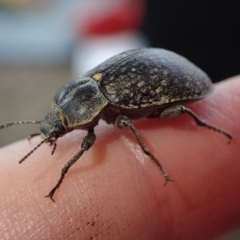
x: 44, y: 44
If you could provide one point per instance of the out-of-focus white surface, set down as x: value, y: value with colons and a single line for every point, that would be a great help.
x: 93, y: 51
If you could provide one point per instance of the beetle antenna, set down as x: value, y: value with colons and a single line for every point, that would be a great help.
x: 5, y: 125
x: 33, y: 150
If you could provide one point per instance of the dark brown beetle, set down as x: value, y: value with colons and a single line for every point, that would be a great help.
x: 138, y: 83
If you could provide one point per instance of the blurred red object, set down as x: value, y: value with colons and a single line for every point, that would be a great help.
x: 109, y: 17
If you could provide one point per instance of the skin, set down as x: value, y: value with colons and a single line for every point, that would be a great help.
x: 116, y: 192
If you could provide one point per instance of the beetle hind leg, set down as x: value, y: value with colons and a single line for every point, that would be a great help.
x: 174, y: 111
x: 123, y: 121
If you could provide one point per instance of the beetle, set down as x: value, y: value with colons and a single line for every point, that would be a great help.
x: 145, y: 82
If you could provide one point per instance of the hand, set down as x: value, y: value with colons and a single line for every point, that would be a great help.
x: 116, y: 192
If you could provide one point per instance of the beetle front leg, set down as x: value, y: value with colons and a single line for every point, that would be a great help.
x: 87, y: 142
x: 123, y: 121
x: 178, y: 110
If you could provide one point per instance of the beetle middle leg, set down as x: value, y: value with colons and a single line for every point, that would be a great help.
x: 87, y: 142
x: 123, y: 121
x: 174, y: 111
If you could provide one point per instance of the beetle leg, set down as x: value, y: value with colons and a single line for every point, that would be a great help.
x: 33, y: 135
x: 178, y: 110
x: 54, y: 147
x: 123, y: 121
x: 87, y: 142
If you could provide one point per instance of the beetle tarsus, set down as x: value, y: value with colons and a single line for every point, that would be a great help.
x: 177, y: 110
x: 50, y: 195
x: 167, y: 179
x: 201, y: 122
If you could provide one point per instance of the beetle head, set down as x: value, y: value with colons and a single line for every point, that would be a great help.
x: 53, y: 126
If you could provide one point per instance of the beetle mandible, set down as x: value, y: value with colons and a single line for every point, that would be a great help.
x: 145, y: 82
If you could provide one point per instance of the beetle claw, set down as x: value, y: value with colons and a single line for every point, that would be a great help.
x: 50, y: 195
x: 167, y: 179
